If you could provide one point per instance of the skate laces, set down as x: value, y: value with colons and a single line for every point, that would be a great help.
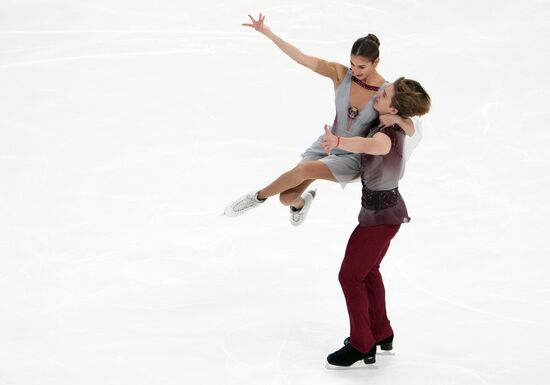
x: 246, y: 202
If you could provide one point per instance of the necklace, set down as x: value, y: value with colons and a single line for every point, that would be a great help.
x: 353, y: 112
x: 364, y: 85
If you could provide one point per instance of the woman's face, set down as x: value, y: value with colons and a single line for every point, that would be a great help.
x: 361, y: 67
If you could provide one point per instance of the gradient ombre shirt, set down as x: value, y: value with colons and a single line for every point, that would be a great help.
x: 382, y: 173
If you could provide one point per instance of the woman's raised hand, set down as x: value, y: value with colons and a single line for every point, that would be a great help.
x: 388, y: 120
x: 258, y: 25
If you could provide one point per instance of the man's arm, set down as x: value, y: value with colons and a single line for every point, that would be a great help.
x: 379, y: 144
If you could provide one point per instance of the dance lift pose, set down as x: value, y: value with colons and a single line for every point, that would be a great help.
x: 382, y: 213
x: 355, y: 88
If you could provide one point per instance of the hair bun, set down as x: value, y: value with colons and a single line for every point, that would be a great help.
x: 367, y: 47
x: 373, y: 38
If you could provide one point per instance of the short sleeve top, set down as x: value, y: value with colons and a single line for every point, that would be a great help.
x: 382, y: 173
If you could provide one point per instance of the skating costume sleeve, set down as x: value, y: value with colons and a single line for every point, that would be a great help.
x: 410, y: 142
x: 332, y: 70
x: 391, y: 131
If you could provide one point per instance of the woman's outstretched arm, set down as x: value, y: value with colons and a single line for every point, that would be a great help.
x: 332, y: 70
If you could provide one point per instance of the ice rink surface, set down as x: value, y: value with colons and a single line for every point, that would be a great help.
x: 127, y: 126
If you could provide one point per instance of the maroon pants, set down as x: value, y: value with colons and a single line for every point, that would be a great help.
x: 363, y: 286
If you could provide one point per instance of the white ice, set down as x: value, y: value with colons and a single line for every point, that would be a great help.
x: 126, y: 126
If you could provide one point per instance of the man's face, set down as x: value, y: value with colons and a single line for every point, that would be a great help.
x: 382, y: 103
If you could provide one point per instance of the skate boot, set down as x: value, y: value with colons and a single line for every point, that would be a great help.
x: 297, y: 217
x: 243, y: 204
x: 348, y: 355
x: 385, y: 344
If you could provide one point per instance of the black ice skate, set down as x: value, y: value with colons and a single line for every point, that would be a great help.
x: 348, y: 355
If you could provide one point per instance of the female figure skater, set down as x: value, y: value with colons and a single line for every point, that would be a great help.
x: 382, y: 212
x: 354, y: 87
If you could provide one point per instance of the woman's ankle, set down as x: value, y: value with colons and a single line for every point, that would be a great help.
x: 298, y: 204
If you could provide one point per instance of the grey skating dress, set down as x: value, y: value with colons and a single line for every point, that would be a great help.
x: 344, y: 165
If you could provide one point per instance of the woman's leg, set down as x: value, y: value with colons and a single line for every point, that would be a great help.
x: 293, y: 196
x: 358, y: 275
x: 292, y: 184
x: 306, y: 170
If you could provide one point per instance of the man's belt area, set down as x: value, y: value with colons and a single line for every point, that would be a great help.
x: 378, y: 200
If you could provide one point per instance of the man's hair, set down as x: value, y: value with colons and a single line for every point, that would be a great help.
x: 410, y: 98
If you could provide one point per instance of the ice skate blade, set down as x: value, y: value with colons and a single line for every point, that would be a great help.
x: 359, y: 365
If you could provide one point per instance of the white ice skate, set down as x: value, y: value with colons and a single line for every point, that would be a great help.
x: 243, y: 204
x: 298, y: 217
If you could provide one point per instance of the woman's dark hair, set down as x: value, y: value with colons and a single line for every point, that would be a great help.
x: 367, y: 47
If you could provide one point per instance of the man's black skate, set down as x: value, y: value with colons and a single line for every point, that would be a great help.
x: 385, y: 344
x: 348, y: 355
